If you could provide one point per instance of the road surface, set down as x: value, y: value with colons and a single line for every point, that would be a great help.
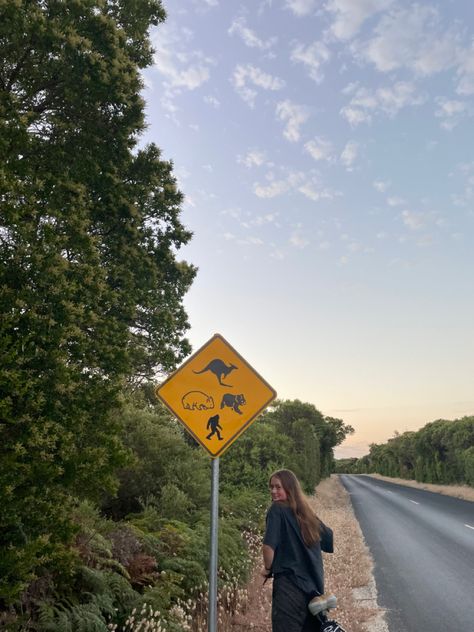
x: 423, y: 549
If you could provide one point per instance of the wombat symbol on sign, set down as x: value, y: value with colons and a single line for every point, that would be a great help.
x: 197, y: 400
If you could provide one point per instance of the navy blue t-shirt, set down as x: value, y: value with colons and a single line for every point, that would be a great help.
x: 302, y: 564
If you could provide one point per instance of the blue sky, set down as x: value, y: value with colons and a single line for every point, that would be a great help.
x: 325, y: 149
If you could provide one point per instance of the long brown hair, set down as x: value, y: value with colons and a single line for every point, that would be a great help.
x: 308, y: 521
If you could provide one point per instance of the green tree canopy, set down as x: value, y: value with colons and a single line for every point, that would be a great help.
x: 91, y: 289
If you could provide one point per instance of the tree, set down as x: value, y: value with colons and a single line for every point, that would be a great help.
x: 91, y: 290
x: 313, y: 437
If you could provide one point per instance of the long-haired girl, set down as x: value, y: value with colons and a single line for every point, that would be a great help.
x: 294, y: 539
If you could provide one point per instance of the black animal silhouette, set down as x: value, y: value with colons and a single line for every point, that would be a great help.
x: 214, y: 425
x: 233, y: 401
x: 220, y: 370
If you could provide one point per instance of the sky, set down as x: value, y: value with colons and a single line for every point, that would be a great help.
x: 325, y: 151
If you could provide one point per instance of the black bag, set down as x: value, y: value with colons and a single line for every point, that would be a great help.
x: 332, y: 626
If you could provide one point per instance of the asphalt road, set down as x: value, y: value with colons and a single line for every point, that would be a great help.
x: 423, y: 549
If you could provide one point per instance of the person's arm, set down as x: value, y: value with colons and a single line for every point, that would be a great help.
x: 271, y: 539
x: 268, y: 555
x: 327, y: 541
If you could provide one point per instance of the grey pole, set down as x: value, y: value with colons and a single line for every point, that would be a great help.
x: 212, y: 615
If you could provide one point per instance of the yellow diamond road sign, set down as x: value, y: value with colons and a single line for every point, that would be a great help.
x: 216, y: 394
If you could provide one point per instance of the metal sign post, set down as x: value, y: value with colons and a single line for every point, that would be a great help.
x: 212, y: 616
x: 216, y: 395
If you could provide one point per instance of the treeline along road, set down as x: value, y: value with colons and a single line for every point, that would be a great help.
x: 423, y: 548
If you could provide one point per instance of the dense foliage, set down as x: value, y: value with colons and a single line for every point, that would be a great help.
x: 440, y: 452
x: 91, y: 291
x: 149, y: 542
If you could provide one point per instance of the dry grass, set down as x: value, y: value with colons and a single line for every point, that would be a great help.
x: 458, y: 491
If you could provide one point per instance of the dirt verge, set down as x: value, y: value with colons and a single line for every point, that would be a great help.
x: 464, y: 492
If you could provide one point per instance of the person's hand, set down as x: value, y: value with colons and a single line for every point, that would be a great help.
x: 265, y: 573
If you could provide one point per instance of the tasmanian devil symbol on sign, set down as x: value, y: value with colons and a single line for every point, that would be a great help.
x: 233, y: 401
x: 220, y: 370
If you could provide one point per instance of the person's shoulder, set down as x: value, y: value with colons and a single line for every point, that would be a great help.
x: 277, y: 508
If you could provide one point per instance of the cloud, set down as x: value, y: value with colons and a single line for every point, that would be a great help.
x: 313, y: 57
x: 210, y: 100
x: 451, y: 112
x: 253, y: 158
x: 301, y: 7
x: 395, y: 201
x: 244, y: 75
x: 298, y: 240
x: 308, y: 185
x: 274, y: 189
x: 413, y: 220
x: 183, y: 69
x: 294, y: 115
x: 248, y: 36
x: 465, y: 198
x: 355, y: 116
x: 351, y: 14
x: 413, y: 38
x: 260, y: 220
x: 320, y: 148
x: 388, y: 100
x: 381, y: 185
x: 312, y: 190
x: 465, y: 72
x: 349, y: 154
x: 422, y: 220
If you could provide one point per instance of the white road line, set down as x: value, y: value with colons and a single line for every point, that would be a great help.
x: 414, y: 502
x: 469, y: 526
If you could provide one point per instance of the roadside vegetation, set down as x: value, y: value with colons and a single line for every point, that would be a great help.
x: 139, y: 556
x: 442, y: 452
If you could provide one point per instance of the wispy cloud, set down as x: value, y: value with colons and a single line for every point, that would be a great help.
x: 349, y: 15
x: 253, y: 158
x: 298, y: 239
x: 451, y: 112
x: 465, y: 71
x: 417, y: 221
x: 301, y: 7
x: 271, y: 190
x: 395, y: 201
x: 381, y: 185
x: 294, y: 116
x: 313, y: 57
x: 320, y: 148
x: 413, y: 38
x: 250, y: 38
x: 308, y: 184
x: 388, y: 100
x: 183, y: 69
x: 249, y: 74
x: 213, y: 101
x: 413, y: 220
x: 349, y: 154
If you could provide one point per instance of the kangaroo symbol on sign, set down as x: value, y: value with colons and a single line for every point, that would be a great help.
x: 220, y: 370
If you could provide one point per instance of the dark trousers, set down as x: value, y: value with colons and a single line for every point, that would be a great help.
x: 290, y: 608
